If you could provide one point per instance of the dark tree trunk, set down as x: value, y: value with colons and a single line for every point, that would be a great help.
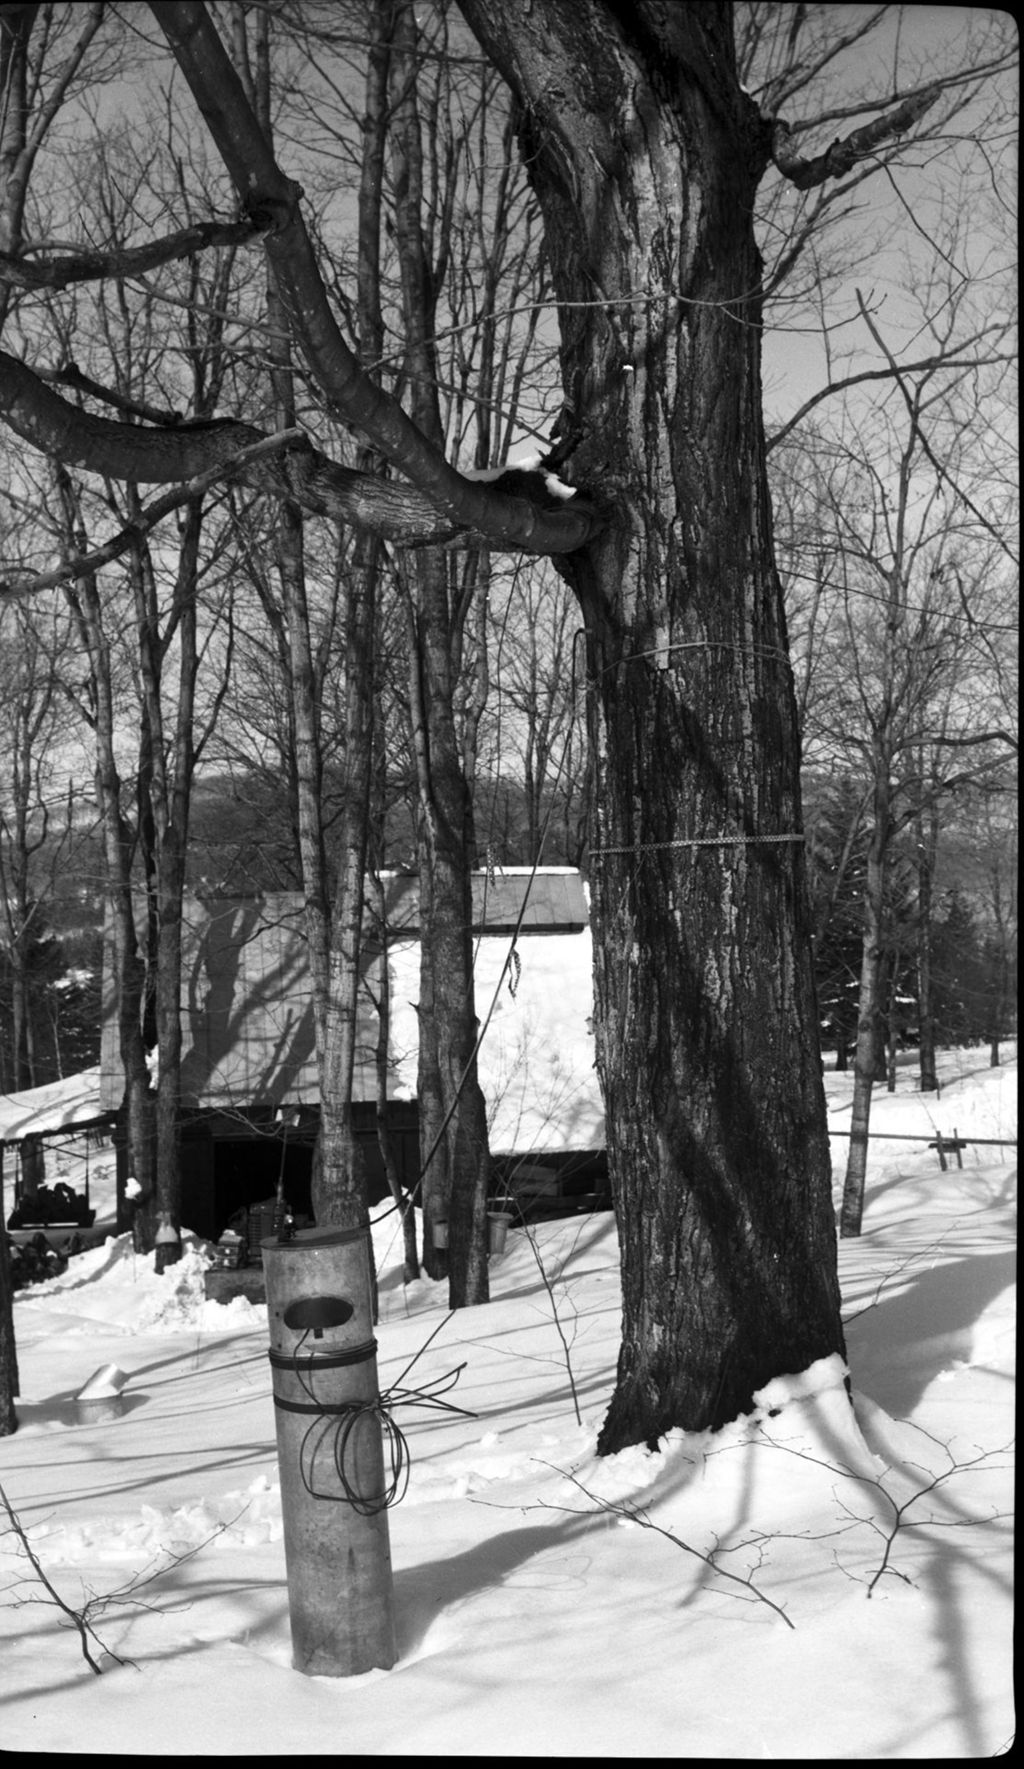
x: 925, y: 1008
x: 121, y: 936
x: 9, y: 1389
x: 865, y: 1062
x: 139, y: 1099
x: 453, y: 1116
x: 453, y: 1124
x: 173, y: 765
x: 333, y: 925
x: 169, y: 1043
x: 21, y: 1020
x: 884, y: 985
x: 385, y: 1141
x: 646, y: 155
x: 999, y: 958
x: 892, y: 1034
x: 339, y: 1191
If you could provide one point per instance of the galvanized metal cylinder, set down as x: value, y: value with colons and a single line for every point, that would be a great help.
x: 102, y: 1397
x: 330, y: 1452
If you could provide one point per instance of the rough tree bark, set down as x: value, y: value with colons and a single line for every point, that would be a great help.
x: 645, y: 155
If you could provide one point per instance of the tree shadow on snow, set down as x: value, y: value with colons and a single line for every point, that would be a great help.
x: 425, y: 1593
x: 898, y: 1346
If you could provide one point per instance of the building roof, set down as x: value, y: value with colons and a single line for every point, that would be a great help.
x: 69, y: 1104
x: 247, y: 1007
x: 550, y: 900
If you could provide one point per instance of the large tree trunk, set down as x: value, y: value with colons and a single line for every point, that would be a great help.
x: 706, y: 1017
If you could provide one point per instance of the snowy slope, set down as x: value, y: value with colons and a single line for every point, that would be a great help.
x: 549, y: 1604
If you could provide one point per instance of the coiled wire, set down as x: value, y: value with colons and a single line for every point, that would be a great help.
x: 335, y: 1432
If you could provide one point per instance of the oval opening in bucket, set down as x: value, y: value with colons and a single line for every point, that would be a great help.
x: 314, y: 1313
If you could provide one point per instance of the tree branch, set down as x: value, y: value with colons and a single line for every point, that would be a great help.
x: 843, y: 155
x: 80, y: 267
x: 271, y: 199
x: 78, y: 1618
x: 963, y: 76
x: 957, y: 742
x: 180, y: 454
x: 70, y: 375
x: 83, y: 564
x: 887, y: 374
x: 942, y: 472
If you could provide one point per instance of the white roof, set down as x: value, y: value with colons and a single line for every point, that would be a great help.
x: 58, y: 1106
x: 536, y: 1061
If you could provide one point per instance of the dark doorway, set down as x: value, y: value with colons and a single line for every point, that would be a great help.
x: 247, y: 1171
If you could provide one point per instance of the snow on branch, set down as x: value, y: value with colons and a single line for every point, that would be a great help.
x: 194, y: 456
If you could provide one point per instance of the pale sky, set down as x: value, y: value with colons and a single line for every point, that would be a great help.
x: 911, y: 201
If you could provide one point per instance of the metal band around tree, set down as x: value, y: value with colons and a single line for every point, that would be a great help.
x: 700, y: 841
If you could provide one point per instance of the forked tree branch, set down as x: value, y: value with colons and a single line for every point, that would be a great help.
x: 179, y: 454
x: 845, y: 382
x: 273, y: 201
x: 842, y: 156
x: 436, y: 506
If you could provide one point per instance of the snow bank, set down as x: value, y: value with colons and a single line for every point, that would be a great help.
x: 114, y: 1286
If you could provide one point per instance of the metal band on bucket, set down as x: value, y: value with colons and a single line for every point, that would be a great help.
x: 310, y: 1363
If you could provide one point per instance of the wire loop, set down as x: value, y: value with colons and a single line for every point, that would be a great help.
x: 336, y: 1426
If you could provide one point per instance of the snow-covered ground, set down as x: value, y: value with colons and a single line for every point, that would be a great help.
x: 548, y: 1603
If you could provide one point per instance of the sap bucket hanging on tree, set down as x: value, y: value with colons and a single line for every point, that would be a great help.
x: 330, y: 1451
x: 498, y: 1224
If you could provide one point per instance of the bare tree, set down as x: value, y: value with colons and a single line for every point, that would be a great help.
x: 895, y: 689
